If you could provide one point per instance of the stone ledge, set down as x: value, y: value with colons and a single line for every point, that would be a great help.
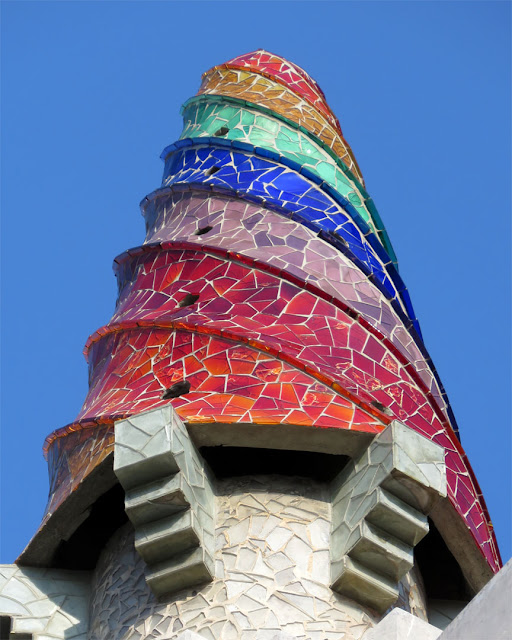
x: 360, y: 583
x: 401, y: 625
x: 397, y: 518
x: 60, y: 525
x: 161, y: 539
x: 375, y: 547
x: 156, y: 500
x: 182, y: 570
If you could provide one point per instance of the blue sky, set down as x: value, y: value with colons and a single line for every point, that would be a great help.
x: 91, y: 93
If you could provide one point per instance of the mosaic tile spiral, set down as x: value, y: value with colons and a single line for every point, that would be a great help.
x: 234, y: 119
x: 268, y: 282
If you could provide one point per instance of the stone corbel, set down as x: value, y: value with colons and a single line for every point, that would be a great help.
x: 169, y: 499
x: 379, y: 506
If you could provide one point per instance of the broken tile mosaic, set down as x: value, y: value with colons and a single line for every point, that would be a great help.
x: 267, y: 282
x: 287, y: 74
x: 283, y: 187
x: 237, y: 120
x: 293, y: 249
x: 264, y: 91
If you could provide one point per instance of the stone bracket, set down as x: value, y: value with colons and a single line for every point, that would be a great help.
x: 379, y: 506
x: 169, y: 499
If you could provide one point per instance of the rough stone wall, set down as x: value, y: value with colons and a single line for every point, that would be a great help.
x: 44, y: 604
x: 272, y: 574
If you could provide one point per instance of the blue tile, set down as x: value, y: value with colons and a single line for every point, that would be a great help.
x: 317, y: 206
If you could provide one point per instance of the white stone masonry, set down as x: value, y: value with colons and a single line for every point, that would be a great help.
x: 46, y: 604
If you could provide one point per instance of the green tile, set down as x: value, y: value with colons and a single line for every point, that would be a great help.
x: 259, y: 129
x: 266, y: 123
x: 247, y: 117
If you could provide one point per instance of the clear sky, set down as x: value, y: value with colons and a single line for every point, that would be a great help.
x: 91, y: 93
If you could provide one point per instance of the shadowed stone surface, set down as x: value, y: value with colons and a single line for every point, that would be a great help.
x: 489, y: 614
x: 45, y: 604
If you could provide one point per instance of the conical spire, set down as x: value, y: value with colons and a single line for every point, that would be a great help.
x: 268, y: 284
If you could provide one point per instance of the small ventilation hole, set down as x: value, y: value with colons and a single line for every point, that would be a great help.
x: 176, y: 390
x: 221, y: 132
x: 340, y: 238
x: 189, y: 299
x: 202, y: 230
x: 211, y: 171
x: 381, y: 407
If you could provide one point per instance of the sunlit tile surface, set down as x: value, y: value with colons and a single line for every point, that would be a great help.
x: 233, y: 119
x: 293, y: 193
x: 275, y: 96
x: 268, y: 282
x: 286, y: 73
